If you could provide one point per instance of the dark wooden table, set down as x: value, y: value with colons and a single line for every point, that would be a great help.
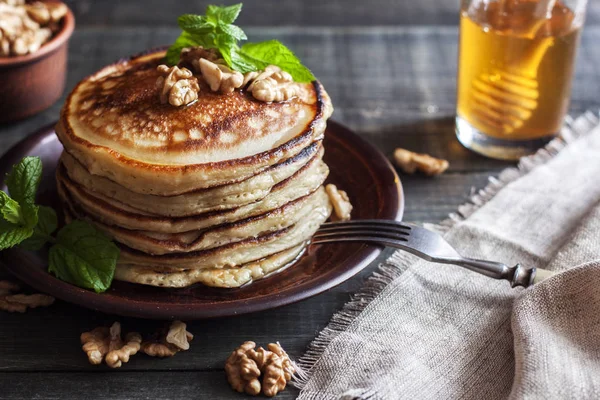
x: 390, y: 69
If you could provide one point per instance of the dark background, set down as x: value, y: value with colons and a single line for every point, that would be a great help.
x: 298, y: 13
x: 389, y: 66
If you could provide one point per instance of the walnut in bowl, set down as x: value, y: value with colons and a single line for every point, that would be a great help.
x: 33, y: 56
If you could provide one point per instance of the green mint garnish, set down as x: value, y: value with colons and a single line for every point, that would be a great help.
x: 215, y: 30
x: 42, y: 233
x: 12, y: 234
x: 273, y: 52
x: 80, y: 254
x: 84, y: 257
x: 24, y: 179
x: 11, y: 210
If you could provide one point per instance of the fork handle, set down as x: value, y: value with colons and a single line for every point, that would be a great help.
x: 517, y: 275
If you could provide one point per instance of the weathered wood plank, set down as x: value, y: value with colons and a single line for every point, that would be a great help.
x: 122, y: 385
x: 282, y: 12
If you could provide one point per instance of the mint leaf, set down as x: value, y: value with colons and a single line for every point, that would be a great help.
x: 10, y: 209
x: 240, y: 63
x: 195, y: 24
x: 226, y: 45
x: 11, y: 234
x: 84, y: 257
x: 47, y: 223
x: 233, y: 31
x: 274, y: 52
x: 216, y: 30
x: 24, y: 179
x: 184, y: 40
x: 224, y: 14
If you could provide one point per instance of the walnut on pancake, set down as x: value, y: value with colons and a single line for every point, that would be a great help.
x: 270, y: 85
x: 24, y: 28
x: 219, y: 77
x: 178, y: 86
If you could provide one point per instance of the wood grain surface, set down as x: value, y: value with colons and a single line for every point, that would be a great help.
x: 392, y: 80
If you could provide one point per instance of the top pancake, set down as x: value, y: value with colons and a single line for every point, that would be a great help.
x: 115, y: 125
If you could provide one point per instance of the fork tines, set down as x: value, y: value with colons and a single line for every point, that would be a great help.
x: 371, y: 229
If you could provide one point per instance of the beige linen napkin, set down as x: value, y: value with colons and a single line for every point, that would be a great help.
x: 428, y: 331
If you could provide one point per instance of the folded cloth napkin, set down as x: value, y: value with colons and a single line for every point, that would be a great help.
x: 420, y: 330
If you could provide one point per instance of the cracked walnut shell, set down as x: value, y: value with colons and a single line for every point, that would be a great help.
x: 246, y: 365
x: 409, y: 162
x: 177, y: 86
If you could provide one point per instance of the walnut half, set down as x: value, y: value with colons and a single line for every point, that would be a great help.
x: 246, y: 365
x: 169, y: 343
x: 177, y: 86
x: 409, y: 162
x: 105, y: 344
x: 342, y: 208
x: 12, y: 301
x: 272, y: 84
x: 219, y: 77
x: 24, y: 28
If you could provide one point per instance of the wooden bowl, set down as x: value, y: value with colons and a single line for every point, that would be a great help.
x: 33, y: 82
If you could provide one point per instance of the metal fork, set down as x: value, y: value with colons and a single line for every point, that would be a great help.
x: 425, y: 244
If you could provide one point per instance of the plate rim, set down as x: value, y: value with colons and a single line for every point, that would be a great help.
x: 38, y: 278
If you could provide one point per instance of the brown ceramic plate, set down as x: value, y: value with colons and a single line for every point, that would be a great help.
x: 356, y: 166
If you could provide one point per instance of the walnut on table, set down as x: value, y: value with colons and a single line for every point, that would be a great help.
x: 177, y: 86
x: 245, y: 366
x: 342, y: 208
x: 168, y: 343
x: 409, y: 162
x: 105, y: 343
x: 12, y: 301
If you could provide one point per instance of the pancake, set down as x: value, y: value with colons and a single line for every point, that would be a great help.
x: 222, y: 191
x: 303, y: 182
x: 229, y: 277
x: 157, y: 243
x: 113, y: 124
x: 200, y: 201
x: 234, y: 254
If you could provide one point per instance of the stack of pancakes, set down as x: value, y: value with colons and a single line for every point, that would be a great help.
x: 223, y: 191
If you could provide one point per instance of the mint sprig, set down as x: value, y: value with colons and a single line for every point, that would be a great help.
x: 84, y: 257
x: 216, y: 30
x: 80, y: 254
x: 42, y: 233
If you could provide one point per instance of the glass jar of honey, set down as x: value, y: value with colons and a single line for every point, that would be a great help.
x: 515, y: 67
